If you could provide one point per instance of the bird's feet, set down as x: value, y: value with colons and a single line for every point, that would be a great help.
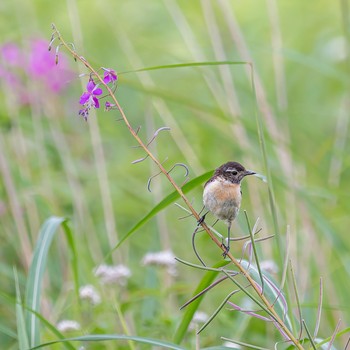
x: 201, y: 220
x: 227, y: 249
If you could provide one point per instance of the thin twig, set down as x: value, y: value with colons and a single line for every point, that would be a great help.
x: 333, y: 335
x: 194, y: 246
x: 203, y: 291
x: 309, y: 335
x: 301, y: 321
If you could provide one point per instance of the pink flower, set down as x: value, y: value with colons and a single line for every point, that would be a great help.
x: 41, y: 61
x: 109, y: 75
x: 42, y: 66
x: 89, y: 97
x: 11, y: 54
x: 109, y: 106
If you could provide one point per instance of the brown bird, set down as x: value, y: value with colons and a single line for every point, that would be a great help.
x: 222, y: 194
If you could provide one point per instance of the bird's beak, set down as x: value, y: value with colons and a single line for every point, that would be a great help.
x: 249, y: 172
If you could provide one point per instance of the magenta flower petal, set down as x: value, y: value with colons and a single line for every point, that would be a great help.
x: 84, y: 113
x: 96, y: 102
x: 90, y: 86
x: 109, y: 76
x: 89, y: 99
x: 84, y: 98
x: 109, y: 106
x: 97, y: 91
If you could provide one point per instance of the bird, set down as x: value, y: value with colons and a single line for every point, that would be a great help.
x: 222, y: 195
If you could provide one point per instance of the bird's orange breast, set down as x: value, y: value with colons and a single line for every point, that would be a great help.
x: 222, y: 198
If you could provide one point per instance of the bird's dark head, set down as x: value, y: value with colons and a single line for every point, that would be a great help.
x: 233, y: 172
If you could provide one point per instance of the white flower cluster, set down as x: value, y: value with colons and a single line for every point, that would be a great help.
x: 163, y: 258
x: 335, y: 49
x: 110, y: 274
x: 269, y: 266
x: 230, y: 345
x: 198, y: 317
x: 68, y: 326
x: 89, y: 293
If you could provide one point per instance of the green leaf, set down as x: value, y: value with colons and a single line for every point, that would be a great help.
x: 8, y: 331
x: 105, y: 337
x: 191, y: 308
x: 74, y: 256
x: 172, y: 197
x: 22, y: 335
x: 185, y: 65
x: 36, y: 275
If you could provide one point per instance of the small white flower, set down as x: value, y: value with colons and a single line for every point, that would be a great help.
x: 269, y: 266
x: 89, y: 292
x: 198, y: 317
x: 163, y: 258
x: 113, y: 274
x: 335, y: 49
x: 68, y: 326
x: 228, y: 344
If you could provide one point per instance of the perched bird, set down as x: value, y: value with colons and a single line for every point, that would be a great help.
x: 222, y: 194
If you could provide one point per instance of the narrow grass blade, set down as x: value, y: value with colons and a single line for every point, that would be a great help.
x: 286, y: 258
x: 8, y: 331
x: 284, y: 283
x: 73, y: 256
x: 205, y: 290
x: 309, y: 336
x: 222, y: 304
x: 36, y: 274
x: 319, y: 309
x: 172, y: 197
x: 330, y: 344
x: 251, y: 233
x: 297, y: 298
x: 207, y: 279
x: 22, y: 336
x: 109, y: 337
x: 262, y: 142
x: 185, y: 65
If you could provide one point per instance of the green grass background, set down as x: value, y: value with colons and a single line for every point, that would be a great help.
x: 53, y: 163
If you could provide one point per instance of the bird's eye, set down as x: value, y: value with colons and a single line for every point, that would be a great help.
x: 232, y: 170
